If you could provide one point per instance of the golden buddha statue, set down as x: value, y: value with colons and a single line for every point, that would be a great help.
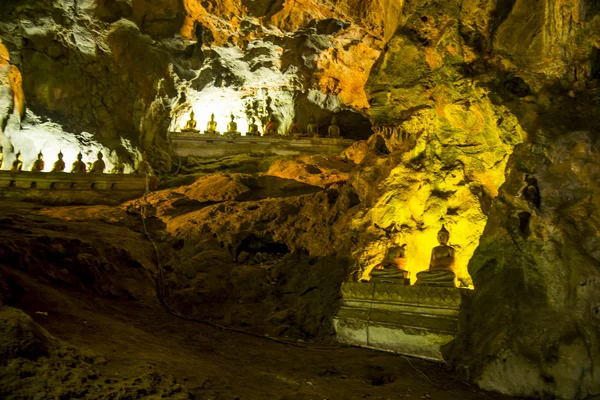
x: 253, y: 128
x: 334, y: 130
x: 294, y: 130
x: 393, y: 267
x: 441, y: 270
x: 312, y: 128
x: 38, y: 165
x: 1, y: 157
x: 211, y: 126
x: 232, y: 126
x: 17, y: 165
x: 190, y: 125
x: 272, y: 128
x: 99, y: 165
x: 59, y: 165
x: 79, y: 165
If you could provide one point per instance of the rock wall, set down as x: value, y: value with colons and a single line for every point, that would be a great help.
x: 483, y: 115
x: 534, y: 322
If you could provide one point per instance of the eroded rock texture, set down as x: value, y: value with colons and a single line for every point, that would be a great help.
x: 539, y: 251
x: 480, y: 115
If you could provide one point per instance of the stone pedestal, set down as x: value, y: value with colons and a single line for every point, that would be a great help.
x: 411, y: 320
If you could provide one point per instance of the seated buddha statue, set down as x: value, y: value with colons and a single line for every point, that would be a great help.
x: 441, y: 270
x: 253, y: 128
x: 334, y: 130
x: 1, y: 157
x: 17, y: 165
x: 232, y: 128
x: 312, y: 128
x: 79, y: 166
x: 190, y: 125
x: 38, y: 165
x: 272, y: 128
x: 99, y: 165
x: 392, y: 268
x: 59, y: 165
x: 211, y: 126
x: 143, y: 167
x: 118, y: 168
x: 294, y: 129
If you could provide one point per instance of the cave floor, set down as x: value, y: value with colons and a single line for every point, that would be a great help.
x: 216, y: 364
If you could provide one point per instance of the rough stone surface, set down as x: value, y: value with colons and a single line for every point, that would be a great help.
x: 37, y: 365
x: 457, y: 101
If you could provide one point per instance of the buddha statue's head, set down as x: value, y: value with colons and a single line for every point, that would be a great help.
x: 100, y: 156
x: 60, y: 155
x: 192, y: 115
x: 40, y: 155
x: 18, y: 155
x: 79, y: 156
x: 212, y: 116
x: 232, y: 117
x: 443, y: 236
x: 334, y: 120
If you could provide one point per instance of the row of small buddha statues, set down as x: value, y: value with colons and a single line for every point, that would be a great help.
x: 79, y: 166
x: 441, y: 271
x: 271, y: 128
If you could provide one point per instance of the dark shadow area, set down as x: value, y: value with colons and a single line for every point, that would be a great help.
x: 263, y: 187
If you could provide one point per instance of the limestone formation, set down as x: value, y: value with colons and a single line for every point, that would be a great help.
x: 481, y: 114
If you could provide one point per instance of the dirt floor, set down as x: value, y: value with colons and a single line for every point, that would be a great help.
x: 136, y: 338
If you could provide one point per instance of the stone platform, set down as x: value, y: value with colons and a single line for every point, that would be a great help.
x: 211, y: 146
x: 63, y: 187
x: 411, y: 320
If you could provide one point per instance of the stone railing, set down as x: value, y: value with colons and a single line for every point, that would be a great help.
x: 208, y: 146
x: 76, y: 187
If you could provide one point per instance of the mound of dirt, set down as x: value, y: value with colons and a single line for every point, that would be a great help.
x: 34, y: 364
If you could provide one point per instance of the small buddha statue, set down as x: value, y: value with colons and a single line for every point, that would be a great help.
x: 79, y: 165
x: 334, y: 129
x: 38, y: 165
x: 190, y: 125
x: 253, y: 128
x: 272, y: 128
x: 312, y: 128
x: 232, y: 126
x: 294, y: 130
x: 393, y: 267
x: 118, y: 168
x: 17, y: 165
x: 211, y: 126
x: 1, y: 157
x: 143, y: 167
x: 441, y: 270
x: 59, y: 165
x: 99, y: 165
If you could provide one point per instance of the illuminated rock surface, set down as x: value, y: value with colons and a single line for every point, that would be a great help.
x: 478, y: 115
